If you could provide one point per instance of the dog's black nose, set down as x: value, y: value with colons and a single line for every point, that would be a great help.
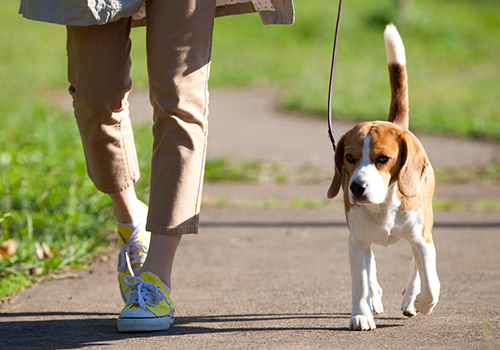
x: 358, y: 188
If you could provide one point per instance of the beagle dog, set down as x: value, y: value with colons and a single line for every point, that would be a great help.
x: 388, y: 185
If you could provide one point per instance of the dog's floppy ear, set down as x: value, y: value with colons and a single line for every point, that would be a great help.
x: 337, y: 178
x: 415, y: 166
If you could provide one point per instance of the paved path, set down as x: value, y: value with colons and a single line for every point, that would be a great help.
x: 257, y: 279
x: 279, y: 279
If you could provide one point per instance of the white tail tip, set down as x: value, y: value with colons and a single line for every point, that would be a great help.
x: 394, y: 45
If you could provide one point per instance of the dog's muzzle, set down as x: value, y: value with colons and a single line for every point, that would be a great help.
x: 358, y: 190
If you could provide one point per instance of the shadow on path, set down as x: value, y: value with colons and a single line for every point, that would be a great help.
x: 59, y: 330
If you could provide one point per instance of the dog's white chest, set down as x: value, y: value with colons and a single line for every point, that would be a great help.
x: 383, y: 224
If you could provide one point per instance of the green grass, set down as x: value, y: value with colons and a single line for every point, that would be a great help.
x: 46, y: 197
x: 477, y: 205
x: 221, y: 200
x: 223, y: 169
x: 452, y: 52
x: 488, y: 174
x: 451, y: 49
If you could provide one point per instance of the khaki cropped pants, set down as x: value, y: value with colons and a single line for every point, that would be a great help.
x: 179, y: 40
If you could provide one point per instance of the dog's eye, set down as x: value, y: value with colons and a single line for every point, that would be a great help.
x: 350, y: 158
x: 382, y: 159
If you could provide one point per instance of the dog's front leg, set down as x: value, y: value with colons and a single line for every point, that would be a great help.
x: 375, y: 289
x: 425, y: 258
x: 360, y: 259
x: 412, y: 288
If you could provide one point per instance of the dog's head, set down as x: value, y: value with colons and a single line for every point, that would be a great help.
x: 374, y: 155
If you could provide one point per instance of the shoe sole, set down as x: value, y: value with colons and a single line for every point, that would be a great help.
x: 144, y: 324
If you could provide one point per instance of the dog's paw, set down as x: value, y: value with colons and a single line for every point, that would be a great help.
x: 408, y: 305
x: 426, y: 302
x: 361, y: 323
x: 376, y: 299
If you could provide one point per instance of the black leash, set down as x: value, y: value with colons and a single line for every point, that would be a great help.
x: 332, y: 78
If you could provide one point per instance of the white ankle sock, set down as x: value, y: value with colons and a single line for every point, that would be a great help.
x: 132, y: 226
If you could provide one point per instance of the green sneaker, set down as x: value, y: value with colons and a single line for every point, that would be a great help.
x: 149, y: 307
x: 133, y: 244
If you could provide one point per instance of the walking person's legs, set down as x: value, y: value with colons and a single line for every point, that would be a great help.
x: 98, y: 71
x: 179, y: 44
x: 179, y: 40
x: 99, y: 74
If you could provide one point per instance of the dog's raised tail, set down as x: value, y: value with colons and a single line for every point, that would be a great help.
x: 396, y: 59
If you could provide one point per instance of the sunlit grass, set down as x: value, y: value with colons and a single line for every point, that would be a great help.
x: 221, y: 200
x: 46, y: 197
x: 452, y: 54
